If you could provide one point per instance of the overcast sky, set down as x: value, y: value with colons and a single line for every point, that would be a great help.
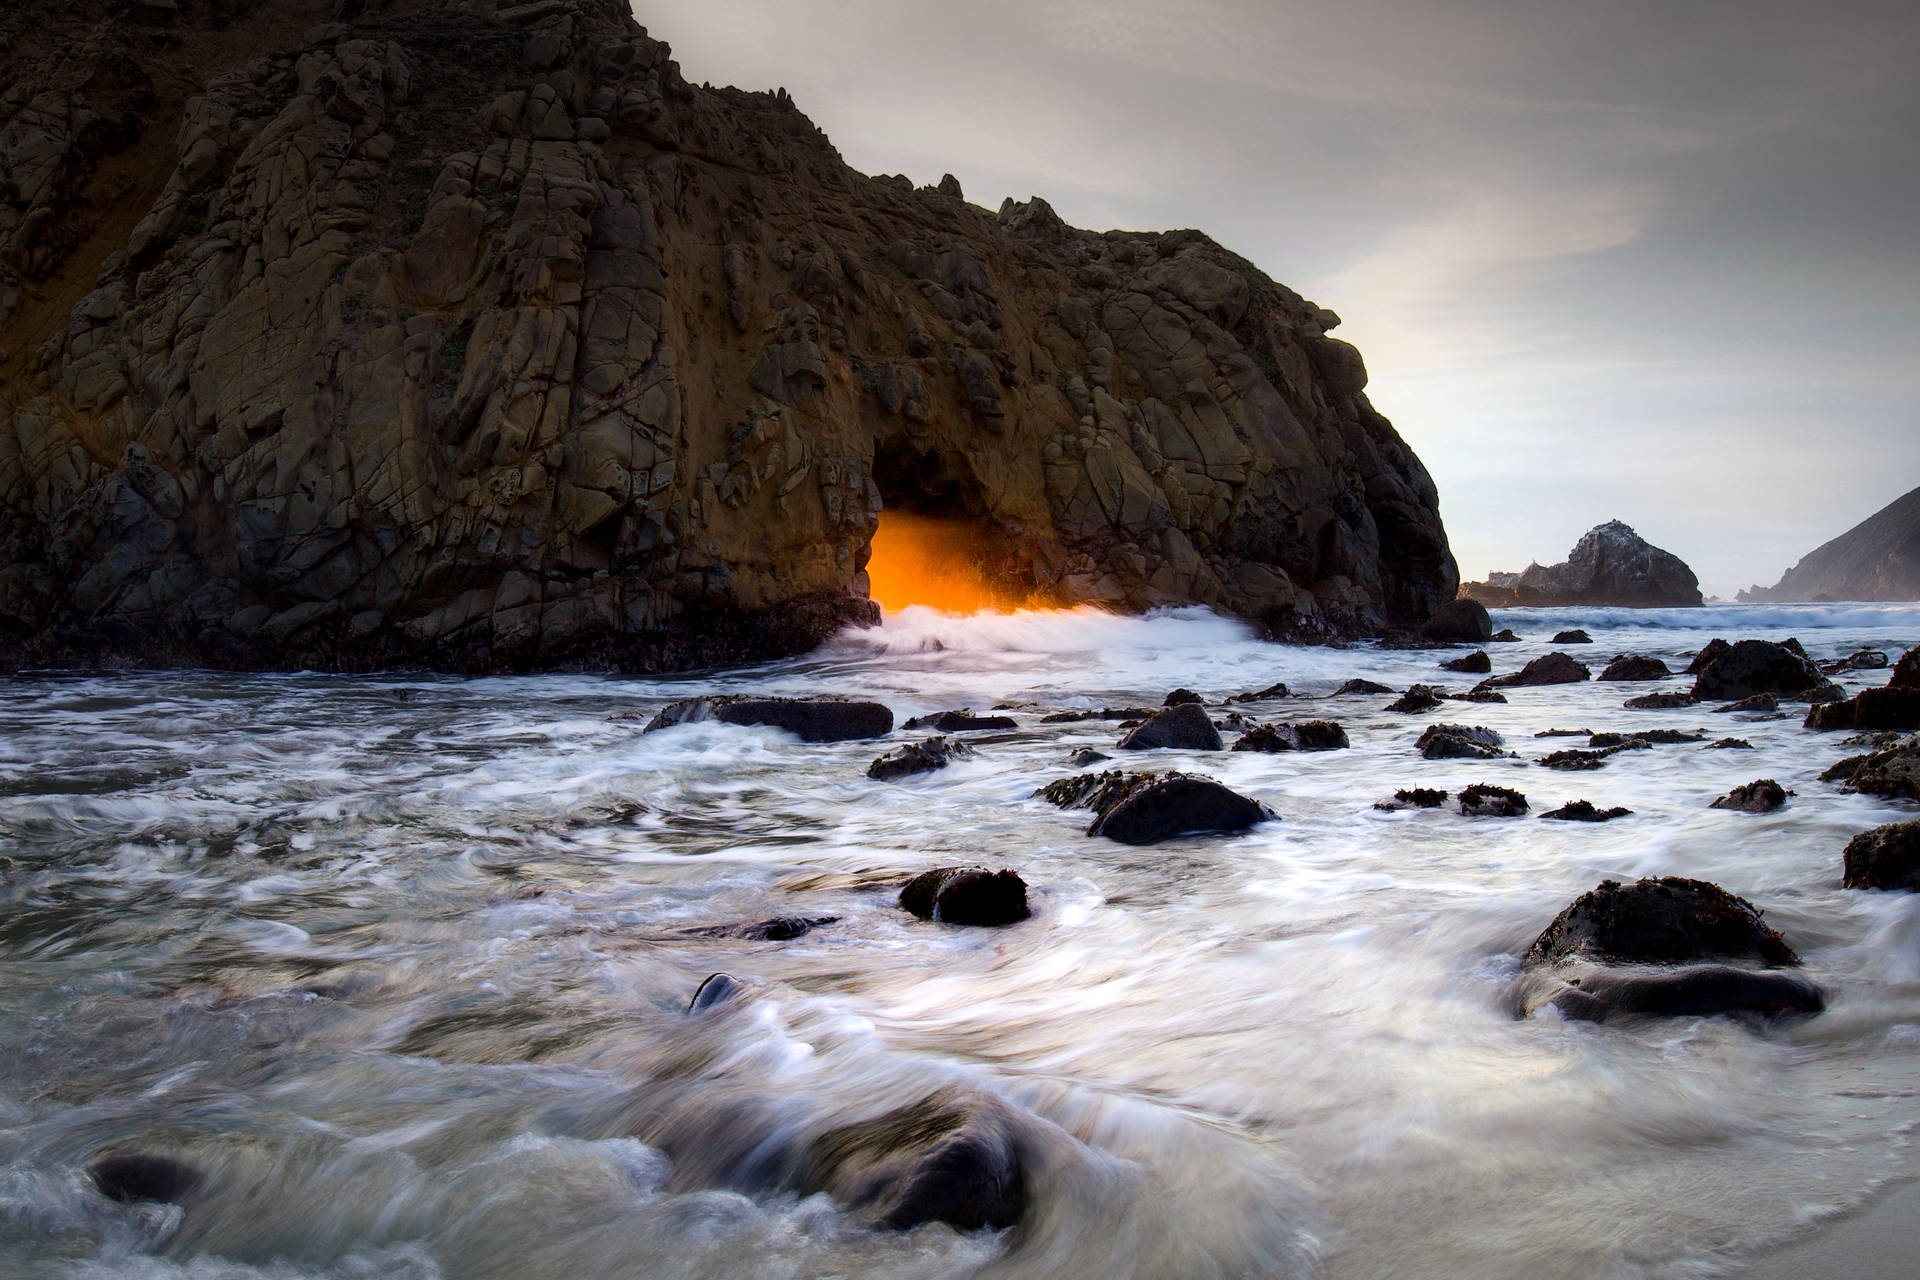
x: 1654, y: 260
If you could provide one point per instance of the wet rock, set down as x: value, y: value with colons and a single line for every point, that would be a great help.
x: 1573, y: 759
x: 1573, y: 637
x: 1476, y: 695
x: 1759, y: 704
x: 715, y: 990
x: 133, y: 1177
x: 962, y: 721
x: 967, y: 895
x: 1460, y: 742
x: 1665, y: 920
x: 1709, y: 653
x: 1236, y: 722
x: 1660, y: 702
x: 1086, y: 756
x: 1652, y: 737
x: 778, y: 929
x: 1263, y: 695
x: 809, y: 719
x: 1481, y: 801
x: 1761, y: 796
x: 1303, y: 735
x: 939, y: 1160
x: 1757, y: 666
x: 1858, y: 660
x: 1413, y: 798
x: 1891, y: 771
x: 919, y: 757
x: 1459, y: 622
x: 1361, y: 686
x: 1177, y: 805
x: 1627, y: 667
x: 1096, y: 791
x: 1104, y: 713
x: 1504, y: 636
x: 1181, y: 697
x: 1729, y: 744
x: 1891, y: 707
x: 1185, y: 727
x: 1697, y: 991
x: 1584, y: 811
x: 1554, y: 668
x: 1884, y: 858
x: 1415, y: 700
x: 1564, y: 733
x: 1475, y: 663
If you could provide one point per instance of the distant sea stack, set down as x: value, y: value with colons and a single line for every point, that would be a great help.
x: 1877, y: 559
x: 1610, y: 565
x: 344, y: 334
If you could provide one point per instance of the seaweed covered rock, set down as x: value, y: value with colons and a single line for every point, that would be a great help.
x: 1460, y: 742
x: 1585, y: 811
x: 1482, y: 801
x: 1651, y: 737
x: 1301, y: 735
x: 919, y: 757
x: 1660, y: 702
x: 1709, y: 653
x: 1664, y: 920
x: 1182, y: 727
x: 808, y: 719
x: 1761, y: 796
x: 1415, y: 700
x: 1891, y: 771
x: 967, y: 895
x: 1884, y: 858
x: 1413, y: 798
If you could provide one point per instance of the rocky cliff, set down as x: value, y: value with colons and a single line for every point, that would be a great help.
x: 1610, y: 565
x: 353, y: 334
x: 1877, y: 559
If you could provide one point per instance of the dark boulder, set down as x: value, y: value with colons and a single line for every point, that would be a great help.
x: 1650, y: 737
x: 1762, y: 796
x: 1757, y: 666
x: 1181, y: 697
x: 1504, y: 636
x: 1697, y: 991
x: 1627, y: 667
x: 1460, y: 742
x: 1884, y: 858
x: 1475, y: 663
x: 1263, y: 695
x: 1304, y: 735
x: 1415, y: 700
x: 1759, y: 704
x: 1668, y: 920
x: 1185, y: 727
x: 133, y: 1177
x: 1710, y: 653
x: 1481, y: 801
x: 1554, y: 668
x: 1459, y: 622
x: 1584, y: 811
x: 919, y: 757
x: 1413, y: 798
x: 1573, y: 637
x: 1729, y: 744
x: 967, y: 895
x: 962, y: 721
x: 1660, y: 702
x: 939, y: 1160
x: 1891, y: 707
x: 1906, y: 672
x: 1096, y: 791
x: 1858, y: 660
x: 809, y: 719
x: 1362, y: 686
x: 715, y: 990
x: 1176, y: 805
x: 1086, y: 756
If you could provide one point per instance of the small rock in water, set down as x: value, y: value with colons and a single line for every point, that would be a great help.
x: 1757, y: 666
x: 1653, y: 737
x: 1890, y: 707
x: 1884, y: 858
x: 1262, y: 695
x: 1476, y: 695
x: 778, y: 929
x: 1762, y: 796
x: 1666, y: 920
x: 1362, y: 686
x: 1459, y: 742
x: 1554, y: 668
x: 1632, y: 668
x: 967, y: 895
x: 919, y: 757
x: 1761, y: 702
x: 1504, y: 636
x: 1086, y: 756
x: 1729, y: 744
x: 1698, y: 991
x: 1859, y: 660
x: 1413, y: 798
x: 1575, y: 759
x: 940, y: 1160
x: 809, y: 719
x: 1304, y: 735
x: 1177, y: 805
x: 131, y: 1177
x: 1584, y: 811
x: 1564, y: 733
x: 1417, y: 699
x: 1105, y: 713
x: 717, y: 989
x: 1181, y: 697
x: 1475, y: 663
x: 961, y: 721
x: 1481, y: 801
x: 1573, y: 637
x: 1660, y: 702
x: 1183, y: 727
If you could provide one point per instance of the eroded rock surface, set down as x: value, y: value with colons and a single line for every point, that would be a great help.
x: 481, y: 338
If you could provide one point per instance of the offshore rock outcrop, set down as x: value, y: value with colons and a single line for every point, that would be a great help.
x: 473, y: 335
x: 1877, y: 559
x: 1610, y: 565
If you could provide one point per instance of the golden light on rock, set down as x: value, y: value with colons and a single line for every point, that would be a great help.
x: 939, y: 564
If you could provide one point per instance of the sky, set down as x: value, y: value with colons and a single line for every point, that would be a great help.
x: 1648, y: 260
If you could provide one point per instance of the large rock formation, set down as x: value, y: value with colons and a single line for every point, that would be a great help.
x: 474, y: 335
x: 1610, y: 565
x: 1877, y: 559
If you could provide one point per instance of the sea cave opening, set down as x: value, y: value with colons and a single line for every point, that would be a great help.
x: 935, y: 543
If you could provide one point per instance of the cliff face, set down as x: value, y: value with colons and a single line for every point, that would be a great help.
x: 358, y: 334
x: 1877, y: 559
x: 1610, y: 565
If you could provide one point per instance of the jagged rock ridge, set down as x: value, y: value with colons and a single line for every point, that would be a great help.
x: 1877, y: 559
x: 476, y: 336
x: 1610, y: 565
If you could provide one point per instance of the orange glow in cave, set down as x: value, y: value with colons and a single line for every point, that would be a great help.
x: 935, y: 563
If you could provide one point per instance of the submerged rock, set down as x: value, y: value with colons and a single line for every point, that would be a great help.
x: 1575, y: 636
x: 778, y: 929
x: 1184, y: 727
x: 1584, y: 811
x: 1554, y: 668
x: 1481, y: 801
x: 1362, y: 686
x: 1176, y: 805
x: 1729, y: 744
x: 1884, y: 858
x: 715, y: 990
x: 1415, y: 700
x: 1762, y: 796
x: 919, y: 757
x: 1665, y: 920
x: 1475, y: 663
x: 1302, y: 735
x: 1698, y: 991
x: 1635, y: 668
x: 133, y: 1177
x: 809, y: 719
x: 967, y: 895
x: 962, y: 721
x: 1753, y: 667
x: 940, y: 1160
x: 1858, y: 660
x: 1413, y: 798
x: 1573, y: 759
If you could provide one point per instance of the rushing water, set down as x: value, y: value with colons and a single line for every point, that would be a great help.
x: 397, y: 962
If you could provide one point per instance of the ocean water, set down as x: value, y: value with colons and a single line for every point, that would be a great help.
x: 400, y: 964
